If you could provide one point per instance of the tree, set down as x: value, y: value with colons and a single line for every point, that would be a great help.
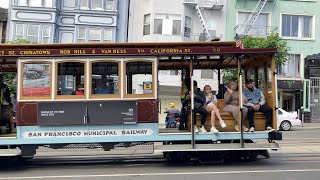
x: 271, y: 41
x: 9, y: 76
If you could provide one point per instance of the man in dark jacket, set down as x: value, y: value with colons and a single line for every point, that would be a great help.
x: 5, y: 100
x: 199, y: 100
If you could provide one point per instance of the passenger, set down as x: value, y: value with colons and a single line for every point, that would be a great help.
x: 5, y: 100
x: 210, y: 105
x: 231, y: 105
x: 80, y: 90
x: 199, y: 100
x: 101, y: 89
x: 185, y: 109
x: 256, y: 103
x: 172, y: 112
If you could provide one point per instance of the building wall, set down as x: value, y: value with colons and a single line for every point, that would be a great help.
x: 66, y: 17
x: 304, y: 47
x: 138, y: 8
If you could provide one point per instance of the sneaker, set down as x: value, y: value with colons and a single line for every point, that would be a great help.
x: 245, y: 129
x: 251, y: 129
x: 214, y: 130
x: 237, y: 128
x: 195, y: 129
x: 269, y: 128
x: 202, y: 129
x: 223, y: 124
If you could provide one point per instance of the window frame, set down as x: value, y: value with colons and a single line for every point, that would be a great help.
x: 154, y: 83
x: 57, y: 62
x: 27, y: 31
x: 103, y: 31
x: 300, y: 73
x: 187, y: 34
x: 105, y: 96
x: 21, y: 96
x: 313, y: 30
x: 146, y: 24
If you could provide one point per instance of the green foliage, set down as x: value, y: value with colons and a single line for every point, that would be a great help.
x: 20, y: 41
x: 8, y: 80
x: 271, y: 41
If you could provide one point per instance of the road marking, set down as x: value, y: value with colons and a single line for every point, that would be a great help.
x: 163, y: 174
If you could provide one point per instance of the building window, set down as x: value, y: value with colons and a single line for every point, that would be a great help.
x: 169, y: 72
x: 187, y: 27
x: 19, y: 31
x: 290, y: 68
x: 297, y: 26
x: 107, y: 35
x: 167, y: 24
x: 110, y: 5
x: 36, y: 3
x: 81, y: 35
x: 259, y: 28
x: 146, y: 24
x: 33, y: 33
x: 94, y: 35
x: 206, y: 74
x: 176, y: 27
x: 97, y: 35
x: 104, y: 79
x: 158, y: 26
x: 46, y: 32
x: 98, y: 5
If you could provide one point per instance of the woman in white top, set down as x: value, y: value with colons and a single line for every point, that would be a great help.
x: 210, y: 105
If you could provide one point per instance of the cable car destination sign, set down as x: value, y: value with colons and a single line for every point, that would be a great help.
x: 116, y: 51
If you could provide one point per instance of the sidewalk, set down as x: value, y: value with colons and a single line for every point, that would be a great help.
x: 314, y: 125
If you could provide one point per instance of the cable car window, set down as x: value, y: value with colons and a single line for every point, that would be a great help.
x: 105, y: 78
x: 71, y: 79
x: 36, y: 79
x: 139, y: 78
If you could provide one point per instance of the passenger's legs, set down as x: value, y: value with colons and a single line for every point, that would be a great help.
x: 265, y: 109
x: 251, y: 116
x: 203, y: 112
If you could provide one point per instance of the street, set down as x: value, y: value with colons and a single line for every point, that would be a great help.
x: 299, y: 158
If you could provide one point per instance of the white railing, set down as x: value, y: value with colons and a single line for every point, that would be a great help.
x: 204, y: 1
x: 200, y: 37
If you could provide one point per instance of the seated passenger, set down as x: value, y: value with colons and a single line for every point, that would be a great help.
x: 101, y: 89
x: 231, y: 105
x: 80, y: 90
x: 256, y: 103
x: 210, y: 105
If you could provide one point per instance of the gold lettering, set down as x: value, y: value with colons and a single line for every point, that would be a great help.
x: 79, y: 52
x: 35, y: 52
x: 1, y: 52
x: 11, y: 53
x: 64, y: 51
x: 106, y: 51
x: 93, y: 52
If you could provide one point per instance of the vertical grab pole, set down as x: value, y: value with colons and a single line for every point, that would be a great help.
x: 240, y: 102
x: 192, y: 103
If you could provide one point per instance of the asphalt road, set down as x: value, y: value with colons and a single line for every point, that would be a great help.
x: 299, y: 158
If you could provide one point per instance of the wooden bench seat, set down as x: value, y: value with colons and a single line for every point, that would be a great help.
x: 259, y: 119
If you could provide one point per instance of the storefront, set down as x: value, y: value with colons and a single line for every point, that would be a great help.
x: 290, y: 94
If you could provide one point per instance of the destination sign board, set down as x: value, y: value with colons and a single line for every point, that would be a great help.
x: 111, y: 51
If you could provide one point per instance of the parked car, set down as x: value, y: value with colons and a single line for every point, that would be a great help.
x: 286, y: 120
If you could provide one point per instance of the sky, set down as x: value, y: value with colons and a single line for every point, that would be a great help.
x: 4, y: 3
